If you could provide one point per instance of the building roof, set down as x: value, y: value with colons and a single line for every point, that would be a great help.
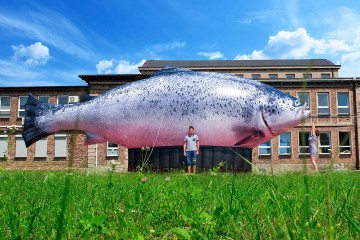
x: 239, y: 63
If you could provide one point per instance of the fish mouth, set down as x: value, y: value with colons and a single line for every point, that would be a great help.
x: 266, y: 124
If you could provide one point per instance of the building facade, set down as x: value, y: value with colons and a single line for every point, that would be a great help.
x: 332, y: 101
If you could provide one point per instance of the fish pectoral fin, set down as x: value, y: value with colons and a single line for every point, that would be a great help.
x: 92, y: 138
x: 254, y: 134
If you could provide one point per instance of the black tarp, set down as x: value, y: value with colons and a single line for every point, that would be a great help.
x: 172, y: 158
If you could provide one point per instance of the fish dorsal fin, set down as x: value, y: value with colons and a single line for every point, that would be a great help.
x: 171, y: 70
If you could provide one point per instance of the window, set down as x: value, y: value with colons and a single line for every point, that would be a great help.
x: 325, y: 143
x: 307, y: 75
x: 60, y: 145
x: 344, y: 143
x: 112, y: 149
x: 290, y: 75
x: 3, y: 146
x: 62, y: 99
x: 273, y: 76
x: 255, y: 76
x: 21, y: 150
x: 22, y: 101
x: 265, y: 148
x: 44, y: 99
x: 325, y: 75
x: 41, y: 148
x: 343, y: 103
x: 304, y: 142
x: 241, y: 75
x: 304, y: 98
x: 323, y: 104
x: 4, y: 107
x: 285, y: 143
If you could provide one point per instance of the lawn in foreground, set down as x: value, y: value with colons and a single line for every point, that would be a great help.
x: 170, y: 206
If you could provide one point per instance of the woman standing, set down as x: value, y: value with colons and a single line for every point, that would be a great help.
x: 312, y: 145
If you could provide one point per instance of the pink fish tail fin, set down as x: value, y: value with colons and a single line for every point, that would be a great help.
x: 34, y: 109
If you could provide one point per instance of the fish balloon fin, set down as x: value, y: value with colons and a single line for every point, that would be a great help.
x: 92, y: 138
x: 255, y: 134
x: 167, y: 70
x: 34, y: 109
x: 85, y: 98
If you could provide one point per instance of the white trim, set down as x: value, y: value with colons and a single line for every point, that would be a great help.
x: 283, y: 147
x: 323, y: 107
x: 343, y: 107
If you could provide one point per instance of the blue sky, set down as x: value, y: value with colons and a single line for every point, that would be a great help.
x: 51, y: 42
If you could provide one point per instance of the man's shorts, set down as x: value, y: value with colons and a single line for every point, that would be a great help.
x: 191, y: 158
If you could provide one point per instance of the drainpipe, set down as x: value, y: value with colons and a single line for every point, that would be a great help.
x: 356, y: 126
x: 96, y: 156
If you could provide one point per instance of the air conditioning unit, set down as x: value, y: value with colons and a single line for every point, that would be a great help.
x: 73, y: 99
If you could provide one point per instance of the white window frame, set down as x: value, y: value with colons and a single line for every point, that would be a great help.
x: 21, y: 110
x: 323, y: 107
x: 265, y: 147
x: 290, y: 76
x: 343, y: 107
x: 18, y: 147
x: 112, y: 149
x: 44, y: 96
x: 57, y: 98
x: 340, y: 146
x: 5, y: 110
x: 324, y: 146
x: 306, y: 146
x: 57, y: 155
x: 4, y: 147
x: 258, y: 76
x: 299, y: 97
x: 273, y: 76
x: 285, y: 147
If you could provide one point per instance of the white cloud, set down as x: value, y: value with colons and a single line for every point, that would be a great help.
x: 212, y: 55
x: 104, y: 66
x: 259, y: 16
x: 49, y: 27
x: 166, y: 46
x: 118, y: 67
x: 33, y: 54
x: 255, y: 55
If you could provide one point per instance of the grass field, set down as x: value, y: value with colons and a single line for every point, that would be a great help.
x: 49, y: 205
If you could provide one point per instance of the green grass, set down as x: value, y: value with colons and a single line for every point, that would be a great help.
x: 49, y: 205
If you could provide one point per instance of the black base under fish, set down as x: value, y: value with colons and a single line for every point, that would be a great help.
x: 166, y: 159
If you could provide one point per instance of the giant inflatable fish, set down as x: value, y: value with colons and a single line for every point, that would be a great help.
x: 224, y: 109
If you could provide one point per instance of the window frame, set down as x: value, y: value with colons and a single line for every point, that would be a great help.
x: 273, y: 76
x: 108, y: 148
x: 299, y: 97
x: 258, y: 76
x: 325, y: 146
x: 57, y: 99
x: 290, y: 76
x: 325, y: 75
x: 19, y: 105
x: 286, y: 147
x: 5, y: 110
x: 265, y: 147
x: 44, y: 96
x: 307, y: 74
x: 343, y: 146
x: 306, y: 146
x: 343, y: 107
x: 323, y: 107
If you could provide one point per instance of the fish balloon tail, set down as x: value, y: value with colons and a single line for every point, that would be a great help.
x: 35, y: 109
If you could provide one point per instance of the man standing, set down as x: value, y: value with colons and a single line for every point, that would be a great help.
x: 191, y: 149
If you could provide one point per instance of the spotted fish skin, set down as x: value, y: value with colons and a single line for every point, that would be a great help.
x: 224, y: 109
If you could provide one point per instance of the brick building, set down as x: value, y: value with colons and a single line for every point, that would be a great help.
x: 332, y: 100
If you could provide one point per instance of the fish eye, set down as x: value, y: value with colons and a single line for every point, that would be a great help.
x: 297, y: 103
